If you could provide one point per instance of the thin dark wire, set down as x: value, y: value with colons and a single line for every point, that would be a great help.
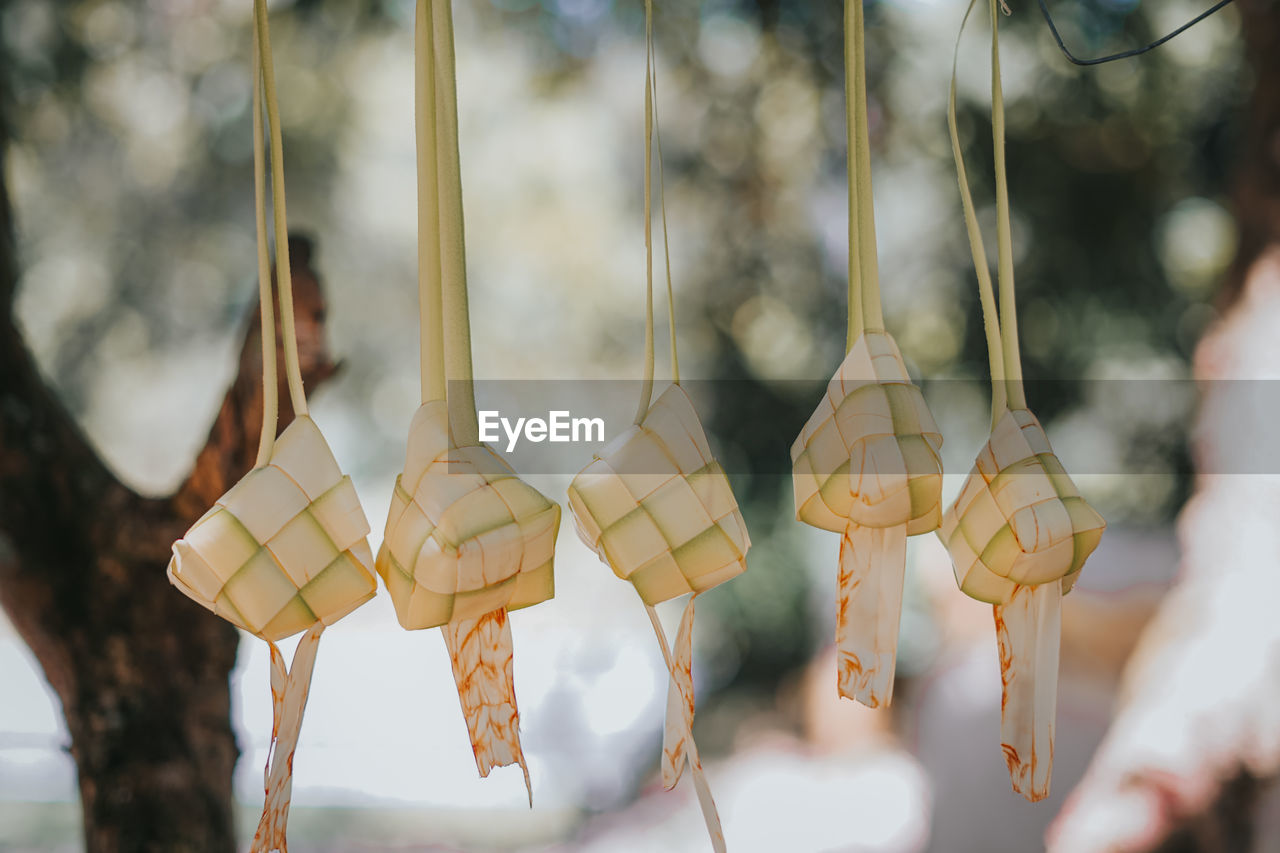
x: 1044, y: 9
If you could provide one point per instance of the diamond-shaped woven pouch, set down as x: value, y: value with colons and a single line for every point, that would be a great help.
x: 465, y: 536
x: 285, y: 547
x: 467, y: 540
x: 869, y: 452
x: 657, y: 507
x: 1019, y: 518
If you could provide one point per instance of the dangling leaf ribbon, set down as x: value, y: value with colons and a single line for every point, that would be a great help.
x: 289, y: 690
x: 652, y: 134
x: 1001, y: 327
x: 864, y: 271
x: 677, y: 738
x: 873, y: 564
x: 482, y: 655
x: 442, y: 267
x: 264, y: 80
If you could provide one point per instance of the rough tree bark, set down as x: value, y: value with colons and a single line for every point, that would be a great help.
x: 141, y: 671
x: 1198, y: 724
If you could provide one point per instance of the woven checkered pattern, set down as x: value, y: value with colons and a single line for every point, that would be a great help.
x: 1019, y: 518
x: 869, y: 453
x: 285, y: 547
x: 465, y: 536
x: 657, y: 507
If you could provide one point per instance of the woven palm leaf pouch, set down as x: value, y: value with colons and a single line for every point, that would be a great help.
x: 466, y: 540
x: 1019, y: 532
x: 285, y: 549
x: 866, y: 464
x: 657, y: 508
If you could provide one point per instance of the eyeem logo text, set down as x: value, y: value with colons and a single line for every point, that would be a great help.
x: 559, y: 426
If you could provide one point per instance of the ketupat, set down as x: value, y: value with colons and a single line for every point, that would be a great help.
x: 866, y: 464
x: 1019, y: 533
x: 285, y: 549
x: 466, y: 541
x: 657, y: 508
x: 1019, y: 520
x: 465, y: 536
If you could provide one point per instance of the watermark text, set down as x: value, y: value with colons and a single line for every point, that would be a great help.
x: 559, y: 426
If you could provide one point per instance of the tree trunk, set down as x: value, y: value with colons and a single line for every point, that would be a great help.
x: 141, y: 671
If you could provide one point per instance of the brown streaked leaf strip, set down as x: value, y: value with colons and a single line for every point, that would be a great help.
x: 869, y: 607
x: 1028, y: 636
x: 709, y: 813
x: 289, y: 692
x: 482, y: 654
x: 680, y: 702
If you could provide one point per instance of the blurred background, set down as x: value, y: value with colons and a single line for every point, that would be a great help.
x: 131, y: 179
